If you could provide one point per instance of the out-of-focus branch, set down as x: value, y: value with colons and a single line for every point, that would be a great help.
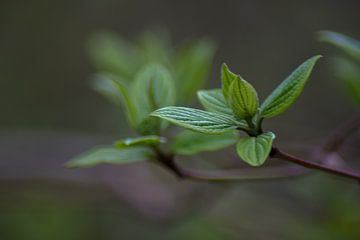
x: 341, y: 134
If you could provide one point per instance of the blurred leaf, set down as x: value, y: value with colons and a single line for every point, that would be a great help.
x: 106, y: 87
x: 153, y: 88
x: 349, y: 73
x: 242, y: 99
x: 255, y: 150
x: 192, y: 66
x: 214, y: 101
x: 347, y: 44
x: 111, y: 53
x: 155, y: 47
x: 143, y: 140
x: 114, y: 88
x: 227, y: 77
x: 189, y: 142
x: 110, y: 155
x: 197, y: 120
x: 289, y: 90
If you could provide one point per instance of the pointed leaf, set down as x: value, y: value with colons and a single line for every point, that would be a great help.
x: 242, y: 99
x: 255, y: 150
x: 349, y: 45
x: 189, y: 143
x: 110, y: 155
x: 214, y: 101
x: 197, y: 120
x: 227, y: 77
x: 289, y: 90
x: 117, y: 91
x: 153, y: 88
x: 349, y: 73
x: 143, y: 140
x: 192, y: 66
x: 110, y: 53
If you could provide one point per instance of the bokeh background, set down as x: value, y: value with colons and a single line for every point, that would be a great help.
x: 49, y: 114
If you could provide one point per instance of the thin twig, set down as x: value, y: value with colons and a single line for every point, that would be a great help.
x: 244, y: 174
x: 276, y: 153
x: 341, y: 134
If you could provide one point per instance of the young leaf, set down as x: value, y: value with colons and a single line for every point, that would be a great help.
x: 197, y: 120
x: 110, y: 155
x: 153, y: 88
x: 289, y: 90
x: 143, y: 140
x: 116, y: 91
x: 110, y: 53
x: 214, y: 101
x: 227, y: 77
x: 242, y: 99
x: 349, y: 73
x: 347, y: 44
x: 189, y: 142
x: 192, y: 65
x: 255, y: 150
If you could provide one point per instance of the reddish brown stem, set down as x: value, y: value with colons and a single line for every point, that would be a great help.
x: 276, y: 153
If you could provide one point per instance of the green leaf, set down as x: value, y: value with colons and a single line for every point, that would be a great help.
x: 192, y: 66
x: 189, y: 142
x: 255, y: 150
x: 349, y: 73
x: 347, y: 44
x: 153, y: 88
x: 227, y: 77
x: 111, y: 53
x: 143, y: 140
x: 110, y: 155
x: 116, y: 91
x: 289, y: 90
x: 197, y: 120
x: 242, y: 99
x: 214, y: 101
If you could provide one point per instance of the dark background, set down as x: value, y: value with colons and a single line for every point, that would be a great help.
x: 49, y: 113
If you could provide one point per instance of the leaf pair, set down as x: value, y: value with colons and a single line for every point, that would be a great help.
x: 243, y: 99
x: 239, y: 94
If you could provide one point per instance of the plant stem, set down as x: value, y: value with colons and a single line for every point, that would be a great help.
x: 341, y: 134
x: 276, y: 153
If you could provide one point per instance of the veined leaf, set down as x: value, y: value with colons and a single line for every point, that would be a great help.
x: 153, y: 88
x: 289, y: 90
x: 349, y: 45
x: 227, y: 77
x: 255, y: 150
x: 242, y: 99
x: 116, y: 91
x: 192, y: 65
x: 197, y: 120
x: 214, y: 101
x: 110, y: 155
x: 143, y: 140
x: 189, y: 142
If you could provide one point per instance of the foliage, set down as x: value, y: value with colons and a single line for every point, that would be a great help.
x: 142, y: 77
x: 347, y: 69
x: 236, y: 107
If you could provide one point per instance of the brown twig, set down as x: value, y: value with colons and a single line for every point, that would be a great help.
x: 276, y: 153
x: 338, y: 138
x: 341, y: 134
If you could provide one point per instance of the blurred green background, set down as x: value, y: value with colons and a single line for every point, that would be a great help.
x: 49, y: 114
